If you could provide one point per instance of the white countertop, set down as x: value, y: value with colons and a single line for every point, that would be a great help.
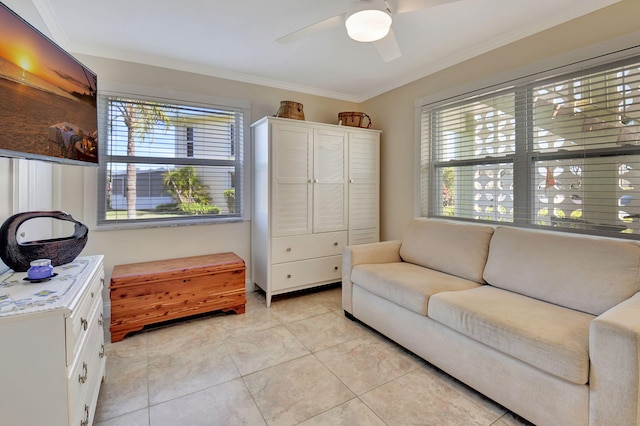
x: 18, y: 296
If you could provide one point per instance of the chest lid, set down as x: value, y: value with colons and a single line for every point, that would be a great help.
x: 160, y: 270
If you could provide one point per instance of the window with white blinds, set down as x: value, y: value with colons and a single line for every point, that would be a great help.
x: 168, y: 162
x: 561, y: 153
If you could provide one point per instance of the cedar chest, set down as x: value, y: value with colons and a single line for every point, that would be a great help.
x: 152, y: 292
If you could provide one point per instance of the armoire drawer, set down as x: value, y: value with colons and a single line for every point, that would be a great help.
x: 305, y: 272
x: 300, y: 247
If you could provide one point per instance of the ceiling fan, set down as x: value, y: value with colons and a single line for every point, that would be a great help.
x: 368, y: 21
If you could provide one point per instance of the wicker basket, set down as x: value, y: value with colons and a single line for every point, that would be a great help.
x: 290, y: 109
x: 354, y: 119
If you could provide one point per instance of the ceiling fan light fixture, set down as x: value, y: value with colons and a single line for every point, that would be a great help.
x: 368, y: 25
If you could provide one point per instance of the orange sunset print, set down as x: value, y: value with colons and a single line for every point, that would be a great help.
x: 47, y: 98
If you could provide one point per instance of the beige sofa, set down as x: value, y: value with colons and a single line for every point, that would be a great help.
x: 546, y: 324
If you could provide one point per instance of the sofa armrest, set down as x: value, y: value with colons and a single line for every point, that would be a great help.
x: 381, y: 252
x: 614, y: 350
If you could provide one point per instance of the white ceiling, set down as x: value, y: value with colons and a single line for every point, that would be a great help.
x: 238, y: 39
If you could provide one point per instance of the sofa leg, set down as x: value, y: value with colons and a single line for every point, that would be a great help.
x: 351, y: 317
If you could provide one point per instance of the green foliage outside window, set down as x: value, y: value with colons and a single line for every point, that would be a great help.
x: 187, y: 190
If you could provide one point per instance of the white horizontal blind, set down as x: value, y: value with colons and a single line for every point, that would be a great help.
x: 170, y: 162
x: 472, y: 158
x: 561, y: 153
x: 586, y: 157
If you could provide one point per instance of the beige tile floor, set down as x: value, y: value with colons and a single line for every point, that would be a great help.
x: 299, y: 362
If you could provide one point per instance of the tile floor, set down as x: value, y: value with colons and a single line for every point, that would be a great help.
x: 300, y: 362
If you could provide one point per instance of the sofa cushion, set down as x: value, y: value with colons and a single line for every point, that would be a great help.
x: 549, y: 337
x: 586, y: 273
x: 406, y: 284
x: 455, y: 248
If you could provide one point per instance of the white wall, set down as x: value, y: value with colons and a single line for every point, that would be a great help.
x: 6, y: 193
x: 29, y: 186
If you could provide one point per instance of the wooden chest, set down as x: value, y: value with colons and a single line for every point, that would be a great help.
x: 152, y: 292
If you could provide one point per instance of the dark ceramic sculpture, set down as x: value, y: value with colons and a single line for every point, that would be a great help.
x: 18, y: 256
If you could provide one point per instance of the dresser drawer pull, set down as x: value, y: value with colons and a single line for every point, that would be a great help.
x: 85, y: 422
x: 288, y: 249
x: 335, y: 243
x: 288, y: 275
x: 335, y: 268
x: 83, y: 378
x: 101, y: 320
x: 101, y: 353
x: 84, y: 323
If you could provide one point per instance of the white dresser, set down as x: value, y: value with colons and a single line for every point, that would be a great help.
x: 316, y: 190
x: 52, y: 345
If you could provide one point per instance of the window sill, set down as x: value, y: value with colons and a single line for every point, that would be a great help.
x: 166, y: 224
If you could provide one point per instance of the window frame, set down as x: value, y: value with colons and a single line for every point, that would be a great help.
x: 525, y: 157
x: 140, y: 93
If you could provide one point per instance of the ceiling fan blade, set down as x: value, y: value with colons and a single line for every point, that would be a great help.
x: 404, y: 6
x: 388, y: 47
x: 313, y: 28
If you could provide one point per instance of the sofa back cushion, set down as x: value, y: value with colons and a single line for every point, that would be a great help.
x: 584, y: 273
x: 455, y: 248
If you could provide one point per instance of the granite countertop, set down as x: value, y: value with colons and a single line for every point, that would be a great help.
x: 18, y: 295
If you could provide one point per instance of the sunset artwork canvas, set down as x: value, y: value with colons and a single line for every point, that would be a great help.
x: 47, y: 98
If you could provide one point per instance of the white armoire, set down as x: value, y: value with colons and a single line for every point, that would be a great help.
x: 316, y: 190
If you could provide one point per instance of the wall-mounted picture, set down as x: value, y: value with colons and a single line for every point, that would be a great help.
x: 47, y: 98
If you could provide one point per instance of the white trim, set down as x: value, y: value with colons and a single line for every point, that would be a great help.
x: 90, y: 183
x: 161, y: 94
x: 210, y: 71
x: 15, y: 187
x: 57, y: 187
x: 47, y: 12
x: 166, y: 224
x: 417, y: 124
x: 21, y: 187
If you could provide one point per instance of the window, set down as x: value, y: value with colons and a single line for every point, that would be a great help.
x: 561, y: 152
x: 190, y: 142
x: 169, y: 162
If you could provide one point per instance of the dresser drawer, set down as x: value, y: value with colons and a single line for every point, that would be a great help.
x: 305, y: 272
x: 300, y: 247
x: 83, y: 381
x: 77, y: 324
